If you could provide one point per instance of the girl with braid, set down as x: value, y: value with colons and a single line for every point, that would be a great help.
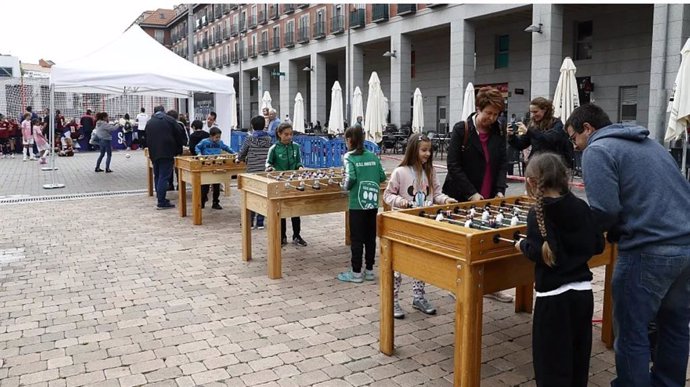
x: 561, y: 237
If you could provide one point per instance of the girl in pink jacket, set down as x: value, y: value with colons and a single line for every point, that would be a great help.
x: 414, y: 184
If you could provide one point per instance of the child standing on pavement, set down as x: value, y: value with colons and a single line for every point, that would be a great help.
x: 414, y: 183
x: 40, y: 139
x: 362, y: 177
x: 254, y: 152
x: 27, y: 137
x: 561, y: 237
x: 212, y: 145
x: 285, y: 155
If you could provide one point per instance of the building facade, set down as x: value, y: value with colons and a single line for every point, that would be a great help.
x: 626, y: 55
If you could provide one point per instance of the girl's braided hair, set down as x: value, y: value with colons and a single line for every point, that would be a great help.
x: 548, y: 171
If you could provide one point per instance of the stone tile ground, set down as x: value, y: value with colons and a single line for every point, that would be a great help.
x: 108, y: 291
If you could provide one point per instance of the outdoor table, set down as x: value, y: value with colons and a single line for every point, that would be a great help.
x: 200, y: 170
x: 265, y: 194
x: 469, y: 263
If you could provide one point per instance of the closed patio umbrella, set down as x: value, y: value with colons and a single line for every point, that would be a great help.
x: 566, y: 97
x: 298, y: 116
x: 336, y: 118
x: 266, y: 100
x: 468, y: 104
x: 417, y: 112
x: 679, y: 106
x: 375, y: 118
x: 357, y: 106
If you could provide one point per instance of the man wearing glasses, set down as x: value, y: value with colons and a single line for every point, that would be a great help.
x: 640, y: 197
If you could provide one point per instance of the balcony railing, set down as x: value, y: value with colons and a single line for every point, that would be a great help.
x: 226, y: 60
x: 289, y: 39
x: 252, y: 21
x: 226, y: 9
x: 275, y: 46
x: 379, y: 12
x: 337, y: 25
x: 234, y: 29
x: 243, y: 25
x: 357, y: 18
x: 273, y: 11
x: 234, y: 58
x: 226, y: 34
x: 319, y: 30
x: 232, y: 6
x: 303, y: 34
x: 263, y: 47
x: 288, y: 8
x: 407, y: 9
x: 252, y: 50
x: 204, y: 43
x: 217, y: 11
x: 212, y: 63
x: 303, y: 5
x: 262, y: 17
x: 243, y: 54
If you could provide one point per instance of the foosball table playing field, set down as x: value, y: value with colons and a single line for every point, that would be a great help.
x: 200, y: 170
x: 286, y: 194
x: 467, y: 249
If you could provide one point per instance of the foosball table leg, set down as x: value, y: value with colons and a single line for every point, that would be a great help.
x: 182, y: 192
x: 523, y: 298
x: 274, y: 246
x: 246, y: 220
x: 149, y: 177
x: 196, y: 197
x: 387, y: 328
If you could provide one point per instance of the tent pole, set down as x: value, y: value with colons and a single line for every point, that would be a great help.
x: 51, y: 127
x: 683, y: 167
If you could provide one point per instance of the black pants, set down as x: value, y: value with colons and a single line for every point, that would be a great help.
x: 363, y: 238
x: 216, y: 193
x: 296, y: 228
x: 562, y: 339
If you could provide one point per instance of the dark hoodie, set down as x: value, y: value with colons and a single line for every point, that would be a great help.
x: 254, y: 150
x: 573, y: 238
x: 635, y: 188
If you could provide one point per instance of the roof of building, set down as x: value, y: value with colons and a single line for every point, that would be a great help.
x: 160, y: 17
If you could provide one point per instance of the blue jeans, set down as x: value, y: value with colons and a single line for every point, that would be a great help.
x: 162, y: 171
x: 651, y: 284
x: 106, y: 148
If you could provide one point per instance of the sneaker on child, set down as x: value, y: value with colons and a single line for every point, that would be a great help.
x: 423, y: 305
x: 299, y: 241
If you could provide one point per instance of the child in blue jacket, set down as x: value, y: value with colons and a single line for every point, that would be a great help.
x: 212, y: 145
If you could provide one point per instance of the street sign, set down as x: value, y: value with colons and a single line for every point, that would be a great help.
x: 277, y: 74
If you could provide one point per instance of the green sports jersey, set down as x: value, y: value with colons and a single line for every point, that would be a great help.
x: 363, y: 177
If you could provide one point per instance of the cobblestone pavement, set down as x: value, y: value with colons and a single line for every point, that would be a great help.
x: 108, y: 291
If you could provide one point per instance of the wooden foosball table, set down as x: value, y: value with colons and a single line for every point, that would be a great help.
x: 439, y: 246
x: 149, y: 168
x: 200, y: 170
x: 286, y: 194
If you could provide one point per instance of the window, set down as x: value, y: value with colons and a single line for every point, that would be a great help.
x: 5, y: 72
x: 159, y: 35
x: 627, y: 110
x: 502, y: 49
x: 583, y: 40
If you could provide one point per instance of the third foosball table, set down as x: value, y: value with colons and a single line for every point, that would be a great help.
x: 469, y: 260
x: 285, y: 194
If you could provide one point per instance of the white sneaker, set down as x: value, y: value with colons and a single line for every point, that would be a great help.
x: 500, y: 297
x: 12, y: 155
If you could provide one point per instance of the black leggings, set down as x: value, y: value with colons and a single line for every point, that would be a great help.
x: 363, y: 238
x: 296, y: 228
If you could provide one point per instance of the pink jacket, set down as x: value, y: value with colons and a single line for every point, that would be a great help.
x: 26, y: 130
x: 403, y: 186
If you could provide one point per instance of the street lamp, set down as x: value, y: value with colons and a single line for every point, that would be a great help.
x: 241, y: 91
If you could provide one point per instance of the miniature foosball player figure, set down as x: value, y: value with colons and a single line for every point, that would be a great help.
x: 285, y: 155
x: 212, y: 145
x: 414, y: 183
x: 362, y: 178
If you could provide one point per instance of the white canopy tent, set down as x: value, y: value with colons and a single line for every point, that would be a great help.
x: 155, y: 71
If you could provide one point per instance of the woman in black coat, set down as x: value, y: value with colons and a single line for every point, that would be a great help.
x: 544, y: 132
x: 477, y: 166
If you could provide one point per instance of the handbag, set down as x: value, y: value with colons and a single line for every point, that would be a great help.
x: 94, y: 140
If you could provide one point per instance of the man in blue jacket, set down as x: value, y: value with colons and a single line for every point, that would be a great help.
x: 640, y: 197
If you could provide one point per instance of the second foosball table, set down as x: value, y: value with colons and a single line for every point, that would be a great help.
x: 285, y: 194
x: 201, y: 170
x: 467, y: 249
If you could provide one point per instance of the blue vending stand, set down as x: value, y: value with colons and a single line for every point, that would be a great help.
x: 118, y: 139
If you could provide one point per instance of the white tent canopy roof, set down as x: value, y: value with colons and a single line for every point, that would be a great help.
x: 154, y: 70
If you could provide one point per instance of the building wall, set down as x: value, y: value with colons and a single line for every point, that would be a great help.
x: 11, y: 62
x: 432, y: 73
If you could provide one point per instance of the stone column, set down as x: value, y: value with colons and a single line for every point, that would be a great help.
x: 357, y: 78
x: 245, y: 103
x: 547, y: 49
x: 401, y: 93
x: 461, y: 66
x: 317, y: 94
x: 264, y: 83
x: 288, y: 87
x: 671, y: 29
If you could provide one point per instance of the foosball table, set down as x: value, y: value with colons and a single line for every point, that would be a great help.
x: 467, y: 249
x: 286, y: 194
x: 200, y: 170
x: 149, y: 168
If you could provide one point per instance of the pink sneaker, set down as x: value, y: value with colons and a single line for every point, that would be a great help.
x: 43, y: 161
